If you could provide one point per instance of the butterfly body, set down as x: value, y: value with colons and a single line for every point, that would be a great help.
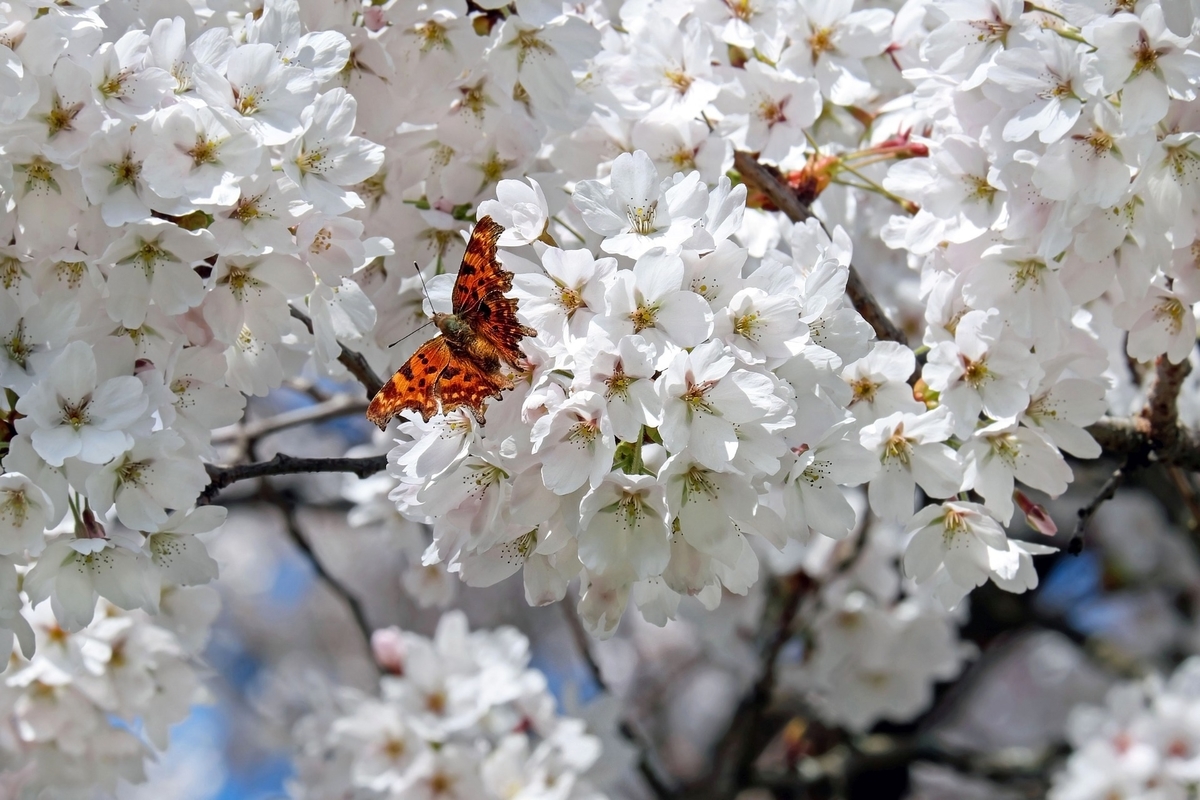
x: 462, y: 366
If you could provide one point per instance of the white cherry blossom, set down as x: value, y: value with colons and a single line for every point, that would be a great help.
x: 76, y: 414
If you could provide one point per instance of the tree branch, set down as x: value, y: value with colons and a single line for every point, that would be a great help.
x: 1106, y: 493
x: 1154, y: 432
x: 283, y: 464
x: 1161, y: 413
x: 645, y: 750
x: 336, y: 406
x: 288, y: 509
x: 751, y: 729
x: 768, y: 180
x: 352, y: 361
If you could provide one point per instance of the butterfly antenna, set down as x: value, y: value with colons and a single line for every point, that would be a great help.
x: 424, y: 288
x: 410, y: 333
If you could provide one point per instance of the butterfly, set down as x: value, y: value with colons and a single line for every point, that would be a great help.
x: 461, y: 367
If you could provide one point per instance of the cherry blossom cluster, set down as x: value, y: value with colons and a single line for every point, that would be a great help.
x: 194, y: 202
x: 674, y: 281
x: 82, y: 714
x: 1143, y: 743
x: 680, y: 401
x: 460, y: 715
x: 170, y: 179
x: 1064, y: 178
x: 168, y: 186
x: 879, y: 645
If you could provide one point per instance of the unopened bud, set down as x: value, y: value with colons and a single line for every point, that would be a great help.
x: 388, y: 648
x: 1035, y: 516
x: 92, y: 529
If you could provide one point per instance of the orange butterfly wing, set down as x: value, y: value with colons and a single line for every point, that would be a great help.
x: 463, y: 383
x: 414, y: 385
x: 462, y: 377
x: 479, y: 299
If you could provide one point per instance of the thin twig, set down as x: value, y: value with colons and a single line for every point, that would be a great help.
x: 645, y: 750
x: 283, y: 464
x: 1154, y: 433
x: 1107, y: 491
x: 352, y: 361
x: 771, y: 183
x: 288, y: 509
x: 336, y: 406
x: 750, y: 730
x: 1187, y: 491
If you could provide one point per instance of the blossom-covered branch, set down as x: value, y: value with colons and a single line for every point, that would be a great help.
x: 768, y: 181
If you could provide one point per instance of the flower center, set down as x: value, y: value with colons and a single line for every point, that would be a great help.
x: 1005, y: 446
x: 125, y: 172
x: 440, y: 783
x: 431, y: 35
x: 683, y: 159
x: 245, y: 100
x: 240, y: 280
x: 130, y: 473
x: 61, y: 117
x: 435, y: 702
x: 1171, y: 310
x: 618, y: 385
x: 150, y: 255
x: 864, y: 389
x: 747, y: 325
x: 741, y: 9
x: 373, y: 188
x: 1145, y: 57
x: 570, y: 299
x: 990, y: 30
x: 15, y: 506
x: 630, y: 506
x: 76, y: 415
x: 697, y: 481
x: 954, y: 522
x: 897, y: 447
x: 978, y: 188
x: 39, y: 175
x: 394, y: 749
x: 70, y: 272
x: 204, y: 151
x: 310, y: 160
x: 678, y: 79
x: 1100, y: 141
x: 584, y: 432
x: 1029, y: 270
x: 528, y: 43
x: 10, y: 271
x: 772, y: 111
x: 820, y: 42
x: 975, y: 373
x: 322, y: 242
x: 17, y: 346
x: 494, y: 168
x: 115, y: 85
x: 641, y: 218
x: 246, y: 210
x: 696, y: 398
x: 643, y: 317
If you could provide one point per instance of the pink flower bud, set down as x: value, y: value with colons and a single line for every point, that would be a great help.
x: 1035, y: 515
x: 388, y: 647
